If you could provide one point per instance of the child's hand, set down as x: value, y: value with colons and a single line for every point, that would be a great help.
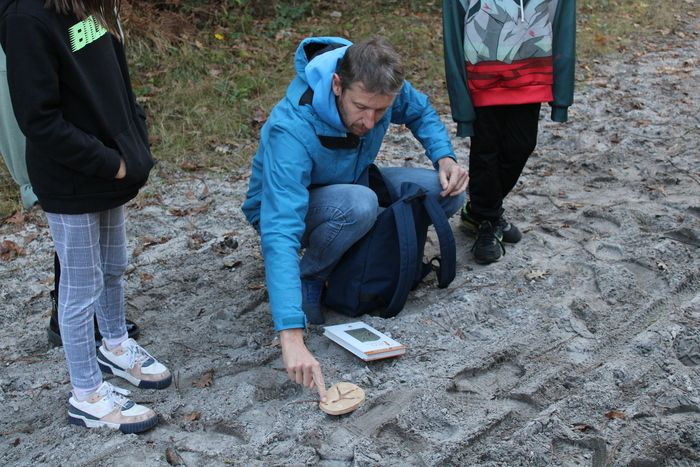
x: 122, y: 170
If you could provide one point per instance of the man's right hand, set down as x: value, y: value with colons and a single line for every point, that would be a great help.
x: 300, y: 364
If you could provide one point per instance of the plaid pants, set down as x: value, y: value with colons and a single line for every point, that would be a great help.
x: 92, y: 252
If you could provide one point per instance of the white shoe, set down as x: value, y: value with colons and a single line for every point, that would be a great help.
x: 131, y: 362
x: 108, y: 407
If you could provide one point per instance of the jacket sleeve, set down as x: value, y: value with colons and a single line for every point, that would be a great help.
x: 33, y: 77
x: 564, y: 51
x: 455, y: 71
x: 413, y: 109
x: 286, y: 176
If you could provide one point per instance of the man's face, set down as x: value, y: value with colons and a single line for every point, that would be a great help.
x: 359, y: 109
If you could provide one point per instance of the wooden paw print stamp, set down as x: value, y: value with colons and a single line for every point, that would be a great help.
x: 342, y: 398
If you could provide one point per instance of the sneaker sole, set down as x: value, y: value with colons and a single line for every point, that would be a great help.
x: 484, y: 262
x: 106, y: 367
x: 139, y: 427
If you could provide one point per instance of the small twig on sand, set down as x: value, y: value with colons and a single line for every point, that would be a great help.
x: 304, y: 401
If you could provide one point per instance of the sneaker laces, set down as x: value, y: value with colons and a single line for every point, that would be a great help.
x: 137, y: 354
x: 489, y: 230
x: 115, y: 395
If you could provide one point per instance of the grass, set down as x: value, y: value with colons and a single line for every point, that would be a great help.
x: 209, y: 75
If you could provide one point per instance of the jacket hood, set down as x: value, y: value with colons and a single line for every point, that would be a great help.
x: 316, y: 60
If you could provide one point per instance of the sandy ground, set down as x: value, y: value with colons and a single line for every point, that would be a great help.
x: 581, y: 347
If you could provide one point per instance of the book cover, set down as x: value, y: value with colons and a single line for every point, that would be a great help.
x: 364, y: 341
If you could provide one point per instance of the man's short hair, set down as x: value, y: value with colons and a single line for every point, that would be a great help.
x: 374, y: 64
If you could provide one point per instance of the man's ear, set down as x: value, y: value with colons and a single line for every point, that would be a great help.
x: 337, y: 87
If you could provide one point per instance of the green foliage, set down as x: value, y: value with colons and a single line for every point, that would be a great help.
x: 287, y: 14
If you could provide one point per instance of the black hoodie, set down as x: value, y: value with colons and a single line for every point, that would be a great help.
x: 72, y: 97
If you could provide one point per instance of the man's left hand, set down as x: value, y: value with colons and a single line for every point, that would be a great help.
x: 453, y: 177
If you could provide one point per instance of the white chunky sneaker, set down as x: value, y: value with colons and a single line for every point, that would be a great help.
x: 108, y: 407
x: 131, y: 362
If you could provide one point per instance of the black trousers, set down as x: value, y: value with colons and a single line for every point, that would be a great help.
x: 504, y: 137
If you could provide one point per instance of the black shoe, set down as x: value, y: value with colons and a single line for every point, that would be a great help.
x: 53, y: 332
x: 510, y: 232
x: 488, y: 247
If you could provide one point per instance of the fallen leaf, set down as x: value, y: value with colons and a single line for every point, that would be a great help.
x: 192, y: 416
x: 173, y: 457
x: 196, y: 240
x: 145, y: 242
x: 255, y: 286
x: 582, y: 427
x: 206, y: 380
x: 190, y: 166
x: 615, y: 414
x: 181, y: 212
x: 30, y: 238
x: 536, y: 274
x: 18, y: 218
x: 600, y: 39
x: 10, y: 250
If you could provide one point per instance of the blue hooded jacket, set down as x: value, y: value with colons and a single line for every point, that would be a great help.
x: 291, y: 158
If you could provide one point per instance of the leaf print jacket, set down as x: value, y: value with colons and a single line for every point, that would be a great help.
x: 504, y: 52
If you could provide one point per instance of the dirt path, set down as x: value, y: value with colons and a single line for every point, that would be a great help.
x: 581, y: 347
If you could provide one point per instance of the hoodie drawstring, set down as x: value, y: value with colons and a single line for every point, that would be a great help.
x: 522, y: 11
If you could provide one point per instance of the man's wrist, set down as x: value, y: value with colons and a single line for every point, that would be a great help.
x: 291, y: 336
x: 447, y: 159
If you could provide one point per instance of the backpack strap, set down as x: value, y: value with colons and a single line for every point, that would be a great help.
x: 406, y: 233
x: 447, y: 266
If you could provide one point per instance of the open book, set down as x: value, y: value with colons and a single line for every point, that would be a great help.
x: 364, y: 341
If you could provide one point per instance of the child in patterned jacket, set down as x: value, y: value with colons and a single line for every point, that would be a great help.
x: 503, y: 58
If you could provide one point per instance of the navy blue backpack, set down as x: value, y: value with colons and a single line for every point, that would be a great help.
x: 377, y: 273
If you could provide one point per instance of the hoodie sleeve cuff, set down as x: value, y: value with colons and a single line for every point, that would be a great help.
x: 560, y: 114
x: 465, y: 129
x: 290, y: 322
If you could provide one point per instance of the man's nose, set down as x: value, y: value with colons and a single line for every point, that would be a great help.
x: 370, y: 119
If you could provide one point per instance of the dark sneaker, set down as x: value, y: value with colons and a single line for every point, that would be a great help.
x: 53, y: 332
x: 488, y: 247
x: 311, y: 292
x: 510, y: 233
x: 108, y: 407
x: 131, y: 362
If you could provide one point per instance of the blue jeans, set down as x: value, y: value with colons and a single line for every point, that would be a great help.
x: 93, y: 256
x: 339, y: 215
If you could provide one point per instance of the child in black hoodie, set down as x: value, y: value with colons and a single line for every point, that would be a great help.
x: 87, y: 155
